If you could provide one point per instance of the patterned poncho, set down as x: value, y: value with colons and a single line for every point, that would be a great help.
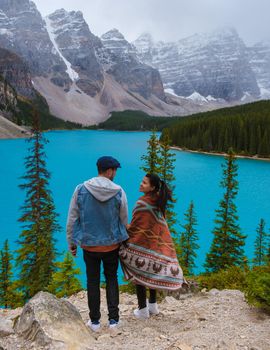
x: 148, y: 257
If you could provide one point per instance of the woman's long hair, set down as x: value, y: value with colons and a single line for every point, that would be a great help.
x: 164, y: 194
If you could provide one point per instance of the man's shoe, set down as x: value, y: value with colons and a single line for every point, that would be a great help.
x: 142, y: 313
x: 113, y: 323
x: 153, y: 308
x: 95, y: 325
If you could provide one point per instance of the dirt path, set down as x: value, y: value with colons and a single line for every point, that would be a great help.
x: 214, y: 320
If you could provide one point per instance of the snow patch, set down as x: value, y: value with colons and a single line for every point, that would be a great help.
x: 71, y: 72
x: 7, y: 32
x: 170, y: 91
x: 265, y: 94
x: 246, y: 96
x: 197, y: 97
x: 211, y: 98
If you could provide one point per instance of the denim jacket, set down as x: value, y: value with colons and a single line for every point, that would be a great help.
x: 97, y: 214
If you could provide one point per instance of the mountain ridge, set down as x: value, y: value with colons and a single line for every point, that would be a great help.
x: 91, y: 76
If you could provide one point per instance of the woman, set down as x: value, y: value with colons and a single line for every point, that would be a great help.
x: 148, y: 257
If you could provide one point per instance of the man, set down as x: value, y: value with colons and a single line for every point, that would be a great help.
x: 97, y: 222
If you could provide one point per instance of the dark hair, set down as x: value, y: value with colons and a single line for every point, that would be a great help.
x: 102, y: 170
x: 163, y: 192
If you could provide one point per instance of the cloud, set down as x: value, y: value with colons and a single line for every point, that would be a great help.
x: 169, y: 19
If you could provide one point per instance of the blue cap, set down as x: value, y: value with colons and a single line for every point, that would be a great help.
x: 107, y: 162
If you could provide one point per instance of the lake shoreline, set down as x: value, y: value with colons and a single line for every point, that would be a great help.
x: 71, y: 158
x: 27, y: 134
x: 219, y: 154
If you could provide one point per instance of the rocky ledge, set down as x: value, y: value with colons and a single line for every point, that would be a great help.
x: 206, y: 320
x: 9, y: 130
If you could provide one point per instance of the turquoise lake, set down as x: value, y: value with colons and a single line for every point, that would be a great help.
x: 71, y: 159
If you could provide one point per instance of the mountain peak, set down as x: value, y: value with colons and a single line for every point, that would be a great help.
x: 14, y: 7
x: 146, y: 36
x: 145, y: 40
x: 112, y: 34
x: 62, y: 13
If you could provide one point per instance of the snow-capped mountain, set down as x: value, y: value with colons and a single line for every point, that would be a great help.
x: 23, y: 32
x: 116, y: 43
x: 69, y: 65
x: 215, y: 64
x: 84, y: 77
x: 75, y: 44
x: 260, y: 62
x: 16, y: 73
x: 123, y: 64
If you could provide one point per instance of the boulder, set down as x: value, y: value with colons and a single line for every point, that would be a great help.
x: 6, y: 327
x: 53, y: 323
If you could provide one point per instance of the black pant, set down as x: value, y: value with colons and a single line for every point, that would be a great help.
x: 110, y: 264
x: 141, y: 296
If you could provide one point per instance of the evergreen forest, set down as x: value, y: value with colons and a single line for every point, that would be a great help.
x: 244, y: 128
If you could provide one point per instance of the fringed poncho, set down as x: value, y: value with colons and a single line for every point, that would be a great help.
x: 149, y: 257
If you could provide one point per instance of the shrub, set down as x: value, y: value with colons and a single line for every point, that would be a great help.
x: 128, y: 287
x: 233, y: 277
x: 257, y: 291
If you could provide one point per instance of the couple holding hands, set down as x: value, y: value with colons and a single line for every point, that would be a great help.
x: 98, y: 223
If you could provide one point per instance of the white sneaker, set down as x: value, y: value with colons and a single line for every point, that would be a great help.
x: 113, y: 324
x: 142, y: 313
x: 153, y: 308
x: 94, y: 326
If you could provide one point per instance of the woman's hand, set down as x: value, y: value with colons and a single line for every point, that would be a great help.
x: 127, y: 226
x: 73, y: 249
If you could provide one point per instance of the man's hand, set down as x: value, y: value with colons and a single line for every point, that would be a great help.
x: 73, y: 249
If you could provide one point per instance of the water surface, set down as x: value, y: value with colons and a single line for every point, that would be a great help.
x: 71, y: 159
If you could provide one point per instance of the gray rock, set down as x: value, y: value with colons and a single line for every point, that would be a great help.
x: 53, y: 323
x: 16, y: 73
x: 214, y: 291
x: 119, y: 59
x: 170, y: 300
x: 24, y: 33
x: 260, y: 62
x: 77, y: 44
x: 6, y: 327
x: 215, y: 64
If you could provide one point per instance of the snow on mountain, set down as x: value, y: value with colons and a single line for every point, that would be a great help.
x: 260, y: 62
x: 71, y: 72
x: 246, y: 98
x: 265, y: 94
x: 76, y: 44
x: 213, y: 64
x: 210, y: 98
x: 197, y: 97
x: 119, y: 58
x: 116, y: 43
x: 84, y: 77
x: 170, y: 91
x: 23, y: 32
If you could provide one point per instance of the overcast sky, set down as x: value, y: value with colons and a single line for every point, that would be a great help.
x: 169, y: 20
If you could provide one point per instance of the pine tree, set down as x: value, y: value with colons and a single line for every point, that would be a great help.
x: 9, y: 297
x: 166, y: 173
x: 268, y: 252
x: 37, y: 252
x: 64, y: 282
x: 228, y: 242
x: 159, y: 160
x: 260, y: 253
x: 151, y: 159
x: 188, y: 242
